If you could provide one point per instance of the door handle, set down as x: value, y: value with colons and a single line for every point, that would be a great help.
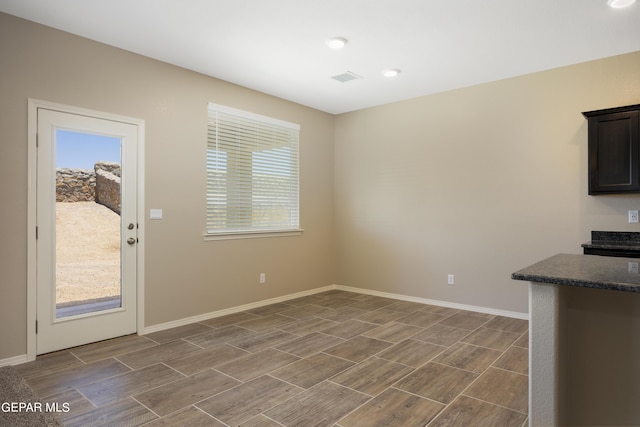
x: 131, y: 240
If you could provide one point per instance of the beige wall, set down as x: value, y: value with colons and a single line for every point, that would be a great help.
x: 477, y: 182
x: 185, y: 276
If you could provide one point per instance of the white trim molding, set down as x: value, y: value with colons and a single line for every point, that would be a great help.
x: 224, y: 312
x: 232, y: 310
x: 486, y: 310
x: 144, y: 330
x: 16, y: 360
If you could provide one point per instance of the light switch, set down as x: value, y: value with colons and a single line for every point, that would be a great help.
x: 155, y: 214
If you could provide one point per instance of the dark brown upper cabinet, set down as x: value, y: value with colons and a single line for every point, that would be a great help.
x: 614, y: 150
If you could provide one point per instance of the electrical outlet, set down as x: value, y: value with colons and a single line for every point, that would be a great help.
x: 263, y: 278
x: 633, y: 216
x: 450, y: 279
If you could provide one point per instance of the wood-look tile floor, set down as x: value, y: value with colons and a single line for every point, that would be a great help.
x: 331, y: 359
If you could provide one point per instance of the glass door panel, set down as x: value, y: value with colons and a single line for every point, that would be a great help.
x: 88, y: 225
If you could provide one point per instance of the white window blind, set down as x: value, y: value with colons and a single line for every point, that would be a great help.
x: 252, y: 173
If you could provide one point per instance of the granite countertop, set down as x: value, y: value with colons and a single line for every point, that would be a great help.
x: 620, y: 240
x: 588, y: 271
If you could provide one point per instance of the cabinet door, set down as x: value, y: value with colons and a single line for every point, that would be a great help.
x: 614, y: 153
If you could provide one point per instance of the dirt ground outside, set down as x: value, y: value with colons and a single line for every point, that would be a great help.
x: 87, y: 252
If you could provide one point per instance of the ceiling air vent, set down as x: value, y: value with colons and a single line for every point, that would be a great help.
x: 346, y: 77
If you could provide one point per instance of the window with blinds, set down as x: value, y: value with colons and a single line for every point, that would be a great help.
x: 252, y: 173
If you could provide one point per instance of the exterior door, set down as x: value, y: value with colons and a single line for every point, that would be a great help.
x: 86, y: 240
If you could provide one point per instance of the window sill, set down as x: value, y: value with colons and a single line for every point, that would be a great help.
x: 233, y: 235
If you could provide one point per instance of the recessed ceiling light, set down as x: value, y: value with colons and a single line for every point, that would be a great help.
x: 619, y: 4
x: 336, y: 42
x: 392, y: 72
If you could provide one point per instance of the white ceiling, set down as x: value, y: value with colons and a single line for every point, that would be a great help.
x: 278, y: 46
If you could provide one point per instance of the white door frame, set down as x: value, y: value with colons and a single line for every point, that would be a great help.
x: 32, y: 167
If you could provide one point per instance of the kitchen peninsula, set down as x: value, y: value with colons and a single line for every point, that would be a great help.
x: 584, y: 342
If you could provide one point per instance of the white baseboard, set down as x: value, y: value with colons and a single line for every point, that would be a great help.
x: 232, y: 310
x: 16, y: 360
x: 486, y: 310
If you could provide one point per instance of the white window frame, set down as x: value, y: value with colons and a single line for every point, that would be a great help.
x: 227, y: 132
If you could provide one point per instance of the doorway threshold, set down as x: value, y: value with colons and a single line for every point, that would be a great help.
x: 83, y: 307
